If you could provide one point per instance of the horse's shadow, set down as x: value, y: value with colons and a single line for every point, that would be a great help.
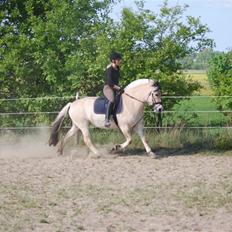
x: 162, y: 152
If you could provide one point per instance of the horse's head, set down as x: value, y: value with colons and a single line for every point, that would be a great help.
x: 149, y: 91
x: 154, y: 96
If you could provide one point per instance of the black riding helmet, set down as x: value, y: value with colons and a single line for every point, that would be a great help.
x: 115, y: 56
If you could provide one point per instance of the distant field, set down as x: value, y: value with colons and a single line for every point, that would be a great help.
x: 204, y: 103
x: 201, y: 77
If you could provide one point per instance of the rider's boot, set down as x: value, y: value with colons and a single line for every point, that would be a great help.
x: 108, y: 113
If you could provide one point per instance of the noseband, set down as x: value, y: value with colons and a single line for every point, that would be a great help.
x: 153, y: 98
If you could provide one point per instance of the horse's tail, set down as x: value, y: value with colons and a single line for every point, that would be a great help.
x: 54, y: 138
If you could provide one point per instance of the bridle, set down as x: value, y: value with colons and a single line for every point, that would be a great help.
x: 153, y: 98
x: 151, y: 93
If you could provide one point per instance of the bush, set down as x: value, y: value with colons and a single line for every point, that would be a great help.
x: 220, y: 78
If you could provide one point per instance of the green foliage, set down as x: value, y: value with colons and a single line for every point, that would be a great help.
x: 42, y: 46
x: 185, y: 116
x: 220, y: 77
x: 152, y: 45
x: 54, y: 48
x: 39, y: 41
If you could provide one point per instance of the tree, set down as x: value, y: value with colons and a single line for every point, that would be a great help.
x: 220, y: 77
x: 40, y: 39
x: 43, y: 45
x: 152, y: 45
x: 199, y: 60
x: 58, y: 47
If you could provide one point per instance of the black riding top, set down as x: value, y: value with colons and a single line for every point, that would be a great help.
x: 112, y: 76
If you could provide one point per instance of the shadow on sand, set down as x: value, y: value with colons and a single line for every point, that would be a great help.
x: 162, y: 152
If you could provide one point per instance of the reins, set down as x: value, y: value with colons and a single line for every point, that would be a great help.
x: 155, y: 103
x: 134, y: 98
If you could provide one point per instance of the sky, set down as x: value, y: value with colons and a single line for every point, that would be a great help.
x: 217, y: 14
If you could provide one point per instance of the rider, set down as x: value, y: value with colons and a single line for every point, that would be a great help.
x: 111, y: 84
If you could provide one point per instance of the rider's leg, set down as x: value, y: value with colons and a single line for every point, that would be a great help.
x: 109, y: 94
x: 109, y: 112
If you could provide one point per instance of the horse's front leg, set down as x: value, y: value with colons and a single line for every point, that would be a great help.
x: 140, y: 131
x: 126, y: 132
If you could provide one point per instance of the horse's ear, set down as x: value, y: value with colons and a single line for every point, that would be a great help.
x: 156, y: 83
x: 152, y: 82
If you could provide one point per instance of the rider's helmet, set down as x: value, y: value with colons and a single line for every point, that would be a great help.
x: 115, y: 56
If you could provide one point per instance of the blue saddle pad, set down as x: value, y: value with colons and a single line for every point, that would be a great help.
x: 100, y: 105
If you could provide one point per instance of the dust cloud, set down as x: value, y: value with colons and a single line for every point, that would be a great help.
x: 35, y: 145
x: 31, y: 145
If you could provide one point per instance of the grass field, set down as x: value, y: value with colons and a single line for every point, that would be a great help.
x: 203, y: 102
x: 201, y: 77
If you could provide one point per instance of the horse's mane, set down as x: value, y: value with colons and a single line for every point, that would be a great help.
x: 137, y: 83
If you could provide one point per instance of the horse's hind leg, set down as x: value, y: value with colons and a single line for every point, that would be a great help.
x: 88, y: 142
x: 69, y: 134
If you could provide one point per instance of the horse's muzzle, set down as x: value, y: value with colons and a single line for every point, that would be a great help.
x: 158, y: 107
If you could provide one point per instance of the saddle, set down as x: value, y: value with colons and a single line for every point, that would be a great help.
x: 100, y: 105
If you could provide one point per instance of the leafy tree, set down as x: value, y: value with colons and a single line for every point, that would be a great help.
x: 199, y: 60
x: 43, y: 44
x: 40, y: 39
x: 202, y: 59
x: 220, y: 77
x: 58, y: 47
x: 152, y: 45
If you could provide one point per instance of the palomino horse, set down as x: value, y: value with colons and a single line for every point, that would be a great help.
x: 81, y: 112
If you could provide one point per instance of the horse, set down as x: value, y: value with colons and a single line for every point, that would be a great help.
x: 133, y: 99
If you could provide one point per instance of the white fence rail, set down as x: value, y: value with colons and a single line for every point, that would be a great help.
x: 3, y: 114
x: 146, y: 127
x: 73, y: 97
x: 164, y: 112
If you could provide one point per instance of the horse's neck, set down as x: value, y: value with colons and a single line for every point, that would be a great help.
x: 134, y: 101
x: 138, y: 92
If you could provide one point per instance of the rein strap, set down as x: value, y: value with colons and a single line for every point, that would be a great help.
x: 134, y: 98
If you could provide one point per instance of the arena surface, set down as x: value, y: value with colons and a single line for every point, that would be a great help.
x: 40, y: 191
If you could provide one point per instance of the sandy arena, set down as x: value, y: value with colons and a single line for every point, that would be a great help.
x: 40, y: 191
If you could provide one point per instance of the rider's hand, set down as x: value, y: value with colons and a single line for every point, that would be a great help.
x: 121, y: 91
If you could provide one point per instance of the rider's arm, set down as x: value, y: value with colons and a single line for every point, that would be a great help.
x: 116, y: 87
x: 109, y: 77
x: 110, y: 80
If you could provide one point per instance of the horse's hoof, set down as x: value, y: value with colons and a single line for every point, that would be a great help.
x: 117, y: 147
x: 152, y: 155
x: 113, y: 151
x: 94, y: 156
x: 60, y: 152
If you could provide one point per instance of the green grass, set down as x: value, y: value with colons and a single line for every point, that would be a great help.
x: 204, y: 118
x: 203, y: 103
x: 180, y: 139
x: 202, y: 78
